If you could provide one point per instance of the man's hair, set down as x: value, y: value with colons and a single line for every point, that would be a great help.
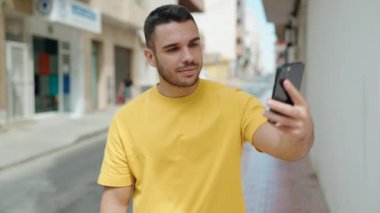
x: 163, y: 15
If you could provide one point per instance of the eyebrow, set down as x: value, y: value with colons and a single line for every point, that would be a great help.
x: 175, y: 44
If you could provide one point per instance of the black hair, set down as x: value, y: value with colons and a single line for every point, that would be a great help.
x: 163, y: 15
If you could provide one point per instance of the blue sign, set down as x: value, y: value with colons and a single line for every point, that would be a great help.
x: 83, y: 12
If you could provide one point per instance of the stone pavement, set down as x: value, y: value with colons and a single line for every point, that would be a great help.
x: 271, y: 185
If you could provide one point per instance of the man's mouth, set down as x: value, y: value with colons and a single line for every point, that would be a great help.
x: 188, y: 71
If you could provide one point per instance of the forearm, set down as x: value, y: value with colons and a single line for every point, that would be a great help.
x: 115, y: 200
x: 282, y: 143
x: 114, y: 208
x: 107, y: 206
x: 292, y: 148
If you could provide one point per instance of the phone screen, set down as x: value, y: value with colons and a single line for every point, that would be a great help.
x: 292, y: 72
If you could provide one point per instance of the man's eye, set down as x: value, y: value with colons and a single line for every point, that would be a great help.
x: 173, y: 49
x: 193, y: 44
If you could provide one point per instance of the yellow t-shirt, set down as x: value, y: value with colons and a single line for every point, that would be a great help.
x: 183, y: 155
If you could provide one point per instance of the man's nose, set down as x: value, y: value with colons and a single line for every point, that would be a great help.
x: 187, y: 56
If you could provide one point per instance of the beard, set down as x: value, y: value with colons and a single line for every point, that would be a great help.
x: 172, y: 78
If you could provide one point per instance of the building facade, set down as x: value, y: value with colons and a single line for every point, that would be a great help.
x: 70, y: 57
x: 217, y: 25
x: 341, y: 83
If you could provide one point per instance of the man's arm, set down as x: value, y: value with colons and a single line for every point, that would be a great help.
x: 292, y: 135
x: 115, y: 199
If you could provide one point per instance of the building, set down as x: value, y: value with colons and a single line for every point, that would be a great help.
x: 251, y: 63
x: 217, y: 24
x: 68, y: 57
x: 337, y: 40
x: 42, y: 67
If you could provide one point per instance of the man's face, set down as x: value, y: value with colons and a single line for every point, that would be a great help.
x: 177, y: 53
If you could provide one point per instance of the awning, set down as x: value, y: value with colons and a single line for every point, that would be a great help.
x: 193, y: 5
x: 280, y: 12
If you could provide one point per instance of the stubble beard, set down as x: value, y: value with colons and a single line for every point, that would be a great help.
x: 167, y: 78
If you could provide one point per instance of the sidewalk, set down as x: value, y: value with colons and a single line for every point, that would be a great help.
x: 271, y: 185
x: 24, y: 142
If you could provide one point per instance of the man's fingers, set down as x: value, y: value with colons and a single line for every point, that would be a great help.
x: 280, y: 119
x: 285, y: 109
x: 294, y: 94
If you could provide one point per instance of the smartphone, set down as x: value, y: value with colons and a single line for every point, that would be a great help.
x: 292, y: 72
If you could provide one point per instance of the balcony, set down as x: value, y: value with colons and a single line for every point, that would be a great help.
x: 126, y: 13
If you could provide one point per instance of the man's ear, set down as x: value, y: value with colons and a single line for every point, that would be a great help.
x: 149, y: 55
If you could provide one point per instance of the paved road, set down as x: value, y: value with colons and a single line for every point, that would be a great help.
x: 63, y: 182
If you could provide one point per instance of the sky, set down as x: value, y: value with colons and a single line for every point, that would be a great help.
x: 267, y: 34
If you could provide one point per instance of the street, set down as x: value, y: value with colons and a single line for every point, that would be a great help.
x: 62, y: 182
x: 65, y: 181
x: 66, y: 67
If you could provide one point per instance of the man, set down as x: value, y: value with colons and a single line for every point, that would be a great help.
x: 178, y: 146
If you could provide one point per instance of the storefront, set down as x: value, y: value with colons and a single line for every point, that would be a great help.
x: 61, y: 45
x: 44, y: 58
x: 53, y: 68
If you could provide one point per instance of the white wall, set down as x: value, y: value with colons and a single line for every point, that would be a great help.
x: 2, y: 72
x: 218, y: 25
x: 153, y: 4
x: 342, y: 85
x: 128, y: 12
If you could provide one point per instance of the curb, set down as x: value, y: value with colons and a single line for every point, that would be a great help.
x: 80, y: 139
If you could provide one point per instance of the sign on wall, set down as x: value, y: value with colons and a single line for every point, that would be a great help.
x: 69, y: 12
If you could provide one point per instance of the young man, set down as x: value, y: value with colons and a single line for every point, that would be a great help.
x: 178, y: 146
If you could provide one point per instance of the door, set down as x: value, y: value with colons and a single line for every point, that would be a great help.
x: 95, y: 73
x: 46, y: 75
x: 122, y: 67
x: 19, y: 82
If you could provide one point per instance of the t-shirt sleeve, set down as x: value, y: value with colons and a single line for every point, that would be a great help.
x: 115, y: 170
x: 252, y: 116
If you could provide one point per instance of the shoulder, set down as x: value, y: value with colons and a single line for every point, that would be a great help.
x: 226, y: 90
x: 219, y: 87
x: 235, y: 96
x: 134, y: 105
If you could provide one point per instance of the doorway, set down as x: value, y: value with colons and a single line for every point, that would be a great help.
x: 95, y: 73
x: 46, y: 74
x: 123, y: 67
x: 19, y: 88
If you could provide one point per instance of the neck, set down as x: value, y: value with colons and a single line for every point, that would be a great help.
x: 173, y: 91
